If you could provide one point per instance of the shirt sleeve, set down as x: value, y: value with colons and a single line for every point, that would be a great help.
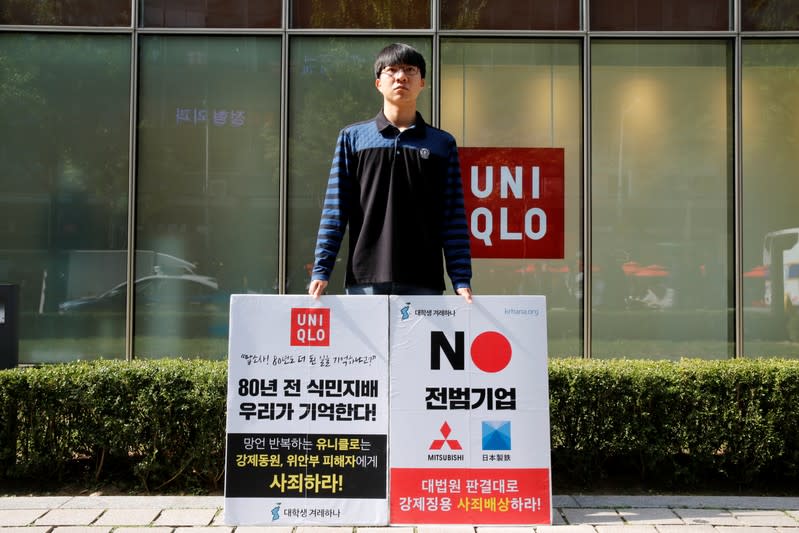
x: 335, y: 211
x: 457, y: 252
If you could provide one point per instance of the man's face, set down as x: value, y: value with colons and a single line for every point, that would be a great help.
x: 400, y: 84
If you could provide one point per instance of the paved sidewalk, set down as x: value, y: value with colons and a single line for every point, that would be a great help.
x: 572, y: 514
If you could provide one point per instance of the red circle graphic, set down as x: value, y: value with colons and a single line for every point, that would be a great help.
x: 491, y: 351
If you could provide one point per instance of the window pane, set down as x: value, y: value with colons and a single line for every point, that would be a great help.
x: 208, y: 183
x: 211, y: 13
x: 510, y: 15
x: 770, y: 136
x: 769, y: 15
x: 332, y: 85
x: 662, y: 198
x: 654, y: 15
x: 506, y: 94
x: 64, y: 190
x: 412, y: 14
x: 66, y: 12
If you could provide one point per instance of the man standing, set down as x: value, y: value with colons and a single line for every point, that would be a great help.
x: 396, y: 181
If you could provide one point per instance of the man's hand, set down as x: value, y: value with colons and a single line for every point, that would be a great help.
x: 466, y: 292
x: 317, y: 287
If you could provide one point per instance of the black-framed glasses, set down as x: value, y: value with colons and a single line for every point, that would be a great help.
x: 394, y: 70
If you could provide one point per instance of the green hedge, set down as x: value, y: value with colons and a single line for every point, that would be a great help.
x: 159, y: 424
x: 727, y: 425
x: 629, y: 425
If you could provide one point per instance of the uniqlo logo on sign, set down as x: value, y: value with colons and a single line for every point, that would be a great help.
x: 310, y: 327
x: 514, y: 201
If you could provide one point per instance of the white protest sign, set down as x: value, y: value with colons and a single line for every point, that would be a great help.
x: 307, y: 410
x: 469, y: 435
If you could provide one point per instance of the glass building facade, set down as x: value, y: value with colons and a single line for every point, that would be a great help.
x: 157, y: 156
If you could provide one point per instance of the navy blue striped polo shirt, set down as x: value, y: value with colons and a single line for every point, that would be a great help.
x: 400, y: 192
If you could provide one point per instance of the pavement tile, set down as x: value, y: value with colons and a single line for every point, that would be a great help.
x: 219, y: 520
x: 32, y: 502
x: 442, y: 529
x: 69, y: 517
x: 324, y: 529
x: 206, y: 529
x: 752, y: 502
x: 626, y: 528
x: 564, y: 500
x: 144, y: 502
x: 581, y: 528
x: 82, y: 529
x: 163, y: 529
x: 369, y: 529
x: 19, y: 517
x: 745, y: 529
x: 617, y: 501
x: 696, y: 502
x: 713, y: 517
x: 557, y: 518
x: 127, y: 517
x: 571, y: 514
x: 505, y: 529
x: 592, y: 516
x: 621, y: 500
x: 650, y: 516
x: 263, y: 529
x: 185, y: 517
x: 698, y: 528
x: 766, y: 517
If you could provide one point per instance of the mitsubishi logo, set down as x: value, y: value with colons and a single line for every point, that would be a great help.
x: 438, y: 444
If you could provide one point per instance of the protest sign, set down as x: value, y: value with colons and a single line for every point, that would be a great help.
x: 469, y: 432
x: 307, y: 410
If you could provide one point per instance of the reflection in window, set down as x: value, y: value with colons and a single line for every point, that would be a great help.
x: 211, y: 14
x: 332, y: 85
x: 208, y: 182
x: 662, y: 198
x: 510, y: 15
x: 64, y: 189
x: 66, y: 12
x: 770, y: 223
x: 760, y: 15
x: 385, y: 14
x: 524, y: 94
x: 655, y: 15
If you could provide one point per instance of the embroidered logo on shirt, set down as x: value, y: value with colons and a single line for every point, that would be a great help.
x: 424, y: 153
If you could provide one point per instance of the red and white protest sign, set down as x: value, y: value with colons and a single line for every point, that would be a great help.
x: 514, y: 201
x: 469, y: 430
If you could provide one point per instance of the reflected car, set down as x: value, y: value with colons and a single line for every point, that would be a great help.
x: 157, y: 292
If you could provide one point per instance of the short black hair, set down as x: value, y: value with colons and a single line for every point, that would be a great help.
x: 399, y: 54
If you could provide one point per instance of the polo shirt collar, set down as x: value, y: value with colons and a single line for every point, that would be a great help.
x: 383, y: 123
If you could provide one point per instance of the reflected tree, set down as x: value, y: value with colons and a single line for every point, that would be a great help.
x: 770, y: 15
x: 64, y: 102
x: 66, y: 12
x: 363, y: 14
x: 468, y: 13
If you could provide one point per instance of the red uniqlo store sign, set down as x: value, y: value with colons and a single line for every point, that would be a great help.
x: 514, y: 201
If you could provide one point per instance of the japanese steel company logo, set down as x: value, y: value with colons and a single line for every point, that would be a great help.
x: 490, y: 351
x: 310, y: 326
